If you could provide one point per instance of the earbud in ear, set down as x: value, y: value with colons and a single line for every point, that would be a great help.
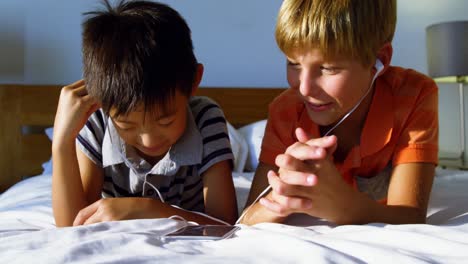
x: 378, y: 66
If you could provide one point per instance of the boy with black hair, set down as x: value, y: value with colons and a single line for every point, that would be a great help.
x: 141, y: 136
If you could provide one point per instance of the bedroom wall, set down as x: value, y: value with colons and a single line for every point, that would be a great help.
x: 40, y: 44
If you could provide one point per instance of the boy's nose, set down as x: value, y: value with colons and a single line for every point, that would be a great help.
x: 309, y: 85
x: 149, y: 140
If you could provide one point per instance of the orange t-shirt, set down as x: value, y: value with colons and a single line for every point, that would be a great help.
x: 401, y: 127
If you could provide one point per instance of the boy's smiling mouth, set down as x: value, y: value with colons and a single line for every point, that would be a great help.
x: 318, y: 107
x: 151, y: 150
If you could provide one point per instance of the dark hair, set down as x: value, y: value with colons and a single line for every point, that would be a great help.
x: 137, y: 52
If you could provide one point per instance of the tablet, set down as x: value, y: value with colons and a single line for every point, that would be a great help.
x: 204, y: 232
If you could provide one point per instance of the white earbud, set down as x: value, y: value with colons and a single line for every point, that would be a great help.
x: 379, y: 67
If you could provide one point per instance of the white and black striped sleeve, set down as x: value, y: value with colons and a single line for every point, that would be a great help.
x: 91, y: 137
x: 211, y: 123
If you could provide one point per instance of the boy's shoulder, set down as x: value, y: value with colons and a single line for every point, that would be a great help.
x: 97, y: 121
x: 403, y: 92
x: 403, y: 81
x: 202, y: 104
x: 197, y: 101
x: 205, y: 109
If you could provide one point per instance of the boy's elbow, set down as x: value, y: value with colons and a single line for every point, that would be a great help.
x: 60, y: 222
x: 231, y: 218
x: 412, y: 216
x: 420, y: 217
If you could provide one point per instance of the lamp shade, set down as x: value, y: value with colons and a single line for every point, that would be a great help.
x: 447, y: 49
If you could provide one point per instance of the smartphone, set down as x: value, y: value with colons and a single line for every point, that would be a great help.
x: 204, y: 232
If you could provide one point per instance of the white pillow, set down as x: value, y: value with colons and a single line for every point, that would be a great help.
x: 253, y: 134
x: 239, y: 148
x: 49, y: 132
x: 47, y: 166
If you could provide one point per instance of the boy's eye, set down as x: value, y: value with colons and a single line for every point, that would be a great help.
x: 165, y: 121
x: 126, y: 128
x: 293, y: 64
x: 328, y: 69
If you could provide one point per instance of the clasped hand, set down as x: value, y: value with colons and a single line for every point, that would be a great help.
x: 308, y: 181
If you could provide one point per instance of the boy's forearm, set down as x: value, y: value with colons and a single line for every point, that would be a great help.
x: 392, y: 214
x: 365, y: 210
x: 370, y: 211
x: 68, y: 196
x: 256, y: 213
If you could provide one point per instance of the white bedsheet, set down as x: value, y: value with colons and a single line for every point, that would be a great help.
x: 27, y: 234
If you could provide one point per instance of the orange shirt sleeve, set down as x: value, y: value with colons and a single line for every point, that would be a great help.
x: 420, y: 134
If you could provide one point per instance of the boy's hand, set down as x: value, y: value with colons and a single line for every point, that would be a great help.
x: 74, y: 108
x: 309, y: 182
x: 111, y: 209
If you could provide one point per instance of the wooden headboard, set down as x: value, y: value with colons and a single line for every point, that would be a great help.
x: 27, y: 109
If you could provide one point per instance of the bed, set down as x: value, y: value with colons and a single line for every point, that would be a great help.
x: 28, y: 233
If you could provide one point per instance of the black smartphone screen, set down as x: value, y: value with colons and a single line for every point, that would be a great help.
x: 204, y: 232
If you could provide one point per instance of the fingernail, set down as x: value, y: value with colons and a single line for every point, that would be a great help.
x: 269, y: 175
x: 308, y: 204
x: 310, y: 180
x: 319, y: 151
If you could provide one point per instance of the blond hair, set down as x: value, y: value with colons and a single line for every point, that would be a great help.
x: 352, y: 28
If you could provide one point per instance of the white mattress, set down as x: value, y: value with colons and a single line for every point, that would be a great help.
x: 27, y: 234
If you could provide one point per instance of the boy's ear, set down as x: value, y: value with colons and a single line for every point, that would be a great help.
x: 198, y: 78
x: 385, y: 54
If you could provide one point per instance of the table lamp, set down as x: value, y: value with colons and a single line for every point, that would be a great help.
x: 447, y: 59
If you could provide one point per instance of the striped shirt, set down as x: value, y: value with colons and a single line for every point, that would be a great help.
x: 401, y: 127
x: 177, y: 176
